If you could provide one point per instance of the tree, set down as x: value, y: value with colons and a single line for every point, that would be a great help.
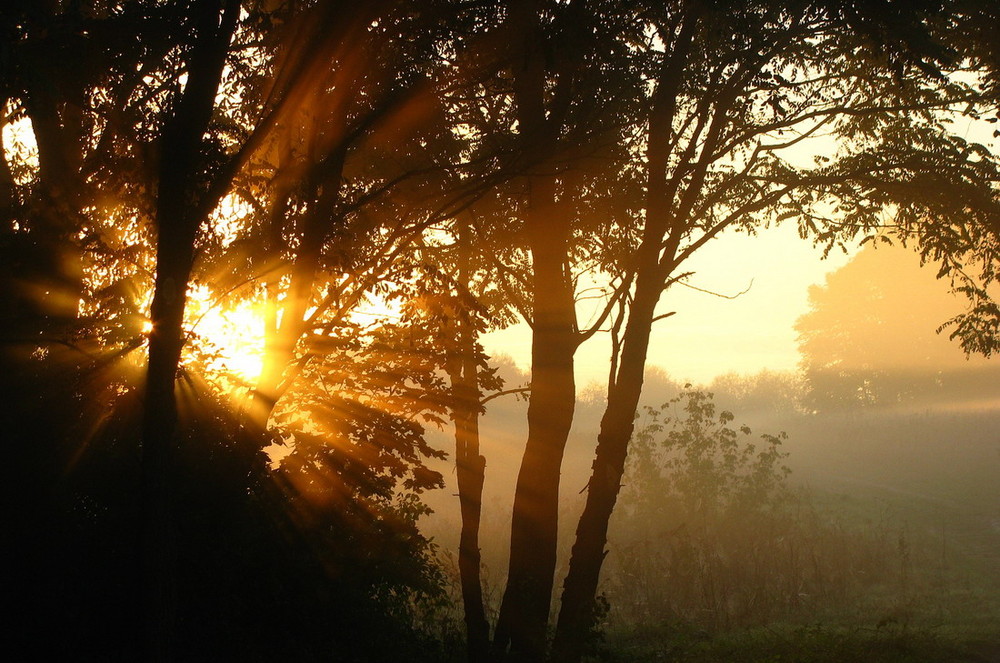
x: 563, y: 86
x: 341, y: 211
x: 363, y: 188
x: 869, y: 341
x: 731, y: 93
x: 965, y: 245
x: 460, y: 305
x: 167, y: 133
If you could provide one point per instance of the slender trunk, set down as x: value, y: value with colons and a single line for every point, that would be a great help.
x: 576, y: 614
x: 524, y: 611
x: 158, y: 538
x: 471, y: 471
x: 8, y: 188
x: 13, y: 305
x: 177, y: 221
x: 263, y: 398
x: 662, y: 233
x: 470, y: 466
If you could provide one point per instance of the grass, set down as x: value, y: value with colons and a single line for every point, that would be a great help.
x: 785, y: 643
x: 896, y: 554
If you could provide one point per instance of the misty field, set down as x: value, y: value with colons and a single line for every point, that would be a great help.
x: 881, y: 541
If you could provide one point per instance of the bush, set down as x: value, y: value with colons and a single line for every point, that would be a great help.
x: 708, y: 533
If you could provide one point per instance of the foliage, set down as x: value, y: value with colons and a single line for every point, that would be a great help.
x: 709, y: 534
x: 764, y: 394
x: 703, y: 465
x: 314, y: 156
x: 869, y: 338
x: 695, y: 490
x: 265, y: 575
x: 259, y: 572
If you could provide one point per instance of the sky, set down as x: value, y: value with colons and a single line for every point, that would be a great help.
x: 709, y: 335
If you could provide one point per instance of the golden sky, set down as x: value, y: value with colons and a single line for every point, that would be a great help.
x: 710, y: 335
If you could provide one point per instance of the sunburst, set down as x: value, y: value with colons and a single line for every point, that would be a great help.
x: 229, y: 339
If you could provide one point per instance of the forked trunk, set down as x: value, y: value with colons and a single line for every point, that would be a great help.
x: 576, y: 614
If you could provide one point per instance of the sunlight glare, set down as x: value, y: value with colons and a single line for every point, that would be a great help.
x: 232, y: 338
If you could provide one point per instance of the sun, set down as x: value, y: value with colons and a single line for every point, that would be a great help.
x: 228, y: 339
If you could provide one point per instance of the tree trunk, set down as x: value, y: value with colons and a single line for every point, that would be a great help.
x: 470, y: 465
x: 158, y: 540
x: 181, y: 207
x: 524, y: 611
x: 576, y: 614
x: 471, y: 471
x: 54, y: 263
x: 662, y: 234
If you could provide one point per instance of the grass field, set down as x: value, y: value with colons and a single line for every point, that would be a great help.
x: 895, y: 529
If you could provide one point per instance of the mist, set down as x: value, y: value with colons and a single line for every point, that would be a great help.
x: 856, y: 495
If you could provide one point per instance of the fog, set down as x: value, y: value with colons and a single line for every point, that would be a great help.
x: 858, y: 493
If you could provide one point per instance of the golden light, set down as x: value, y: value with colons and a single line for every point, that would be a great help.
x: 376, y: 310
x: 228, y: 339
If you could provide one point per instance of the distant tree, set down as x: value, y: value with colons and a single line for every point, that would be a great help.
x: 764, y: 393
x: 869, y: 339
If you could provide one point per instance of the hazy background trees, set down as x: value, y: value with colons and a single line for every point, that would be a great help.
x: 870, y: 339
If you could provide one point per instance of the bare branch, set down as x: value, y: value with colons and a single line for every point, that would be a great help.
x: 505, y: 392
x: 707, y: 292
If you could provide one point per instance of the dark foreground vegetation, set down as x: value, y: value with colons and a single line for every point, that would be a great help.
x: 367, y: 189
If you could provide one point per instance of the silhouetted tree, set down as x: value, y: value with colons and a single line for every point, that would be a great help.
x: 158, y: 139
x: 562, y: 89
x: 731, y: 92
x: 965, y: 242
